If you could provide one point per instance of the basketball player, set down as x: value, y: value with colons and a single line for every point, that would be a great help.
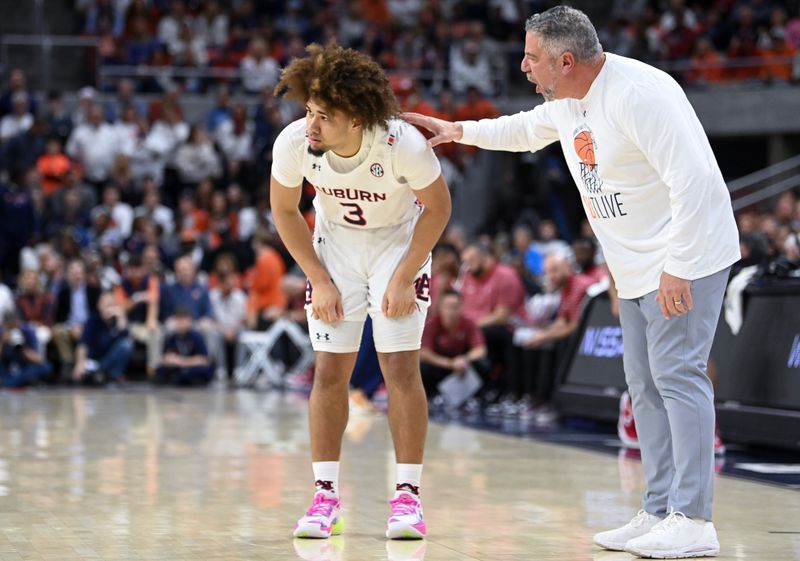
x: 381, y: 204
x: 657, y: 202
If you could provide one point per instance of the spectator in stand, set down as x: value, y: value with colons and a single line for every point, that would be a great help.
x: 17, y: 84
x: 166, y: 135
x: 19, y: 120
x: 169, y: 26
x: 197, y: 160
x: 94, y: 146
x: 190, y: 218
x: 258, y: 69
x: 444, y: 270
x: 82, y: 197
x: 53, y: 165
x: 35, y: 306
x: 21, y: 361
x: 57, y: 121
x: 186, y: 358
x: 451, y: 343
x: 493, y: 294
x: 585, y: 251
x: 267, y: 301
x: 470, y: 67
x: 235, y: 139
x: 706, y: 63
x: 187, y: 293
x: 476, y: 106
x: 121, y: 213
x: 138, y: 294
x: 211, y: 25
x: 152, y: 209
x: 17, y: 219
x: 75, y: 301
x: 246, y: 217
x: 105, y: 347
x: 229, y: 304
x: 188, y: 49
x: 222, y: 109
x: 548, y: 241
x: 6, y: 299
x: 779, y: 57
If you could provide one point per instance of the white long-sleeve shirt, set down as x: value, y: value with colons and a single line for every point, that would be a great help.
x: 649, y: 182
x: 95, y: 148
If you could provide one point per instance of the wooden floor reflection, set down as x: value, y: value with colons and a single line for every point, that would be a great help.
x: 220, y: 475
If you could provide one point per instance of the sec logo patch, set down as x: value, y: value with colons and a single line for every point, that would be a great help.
x: 376, y: 170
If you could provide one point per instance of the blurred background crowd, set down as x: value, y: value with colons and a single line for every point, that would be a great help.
x: 137, y: 242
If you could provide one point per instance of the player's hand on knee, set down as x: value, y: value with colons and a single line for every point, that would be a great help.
x: 443, y: 131
x: 400, y: 300
x: 326, y: 303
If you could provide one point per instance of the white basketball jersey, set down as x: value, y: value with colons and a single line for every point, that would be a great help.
x: 378, y: 192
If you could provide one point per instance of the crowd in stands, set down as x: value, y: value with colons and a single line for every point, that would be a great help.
x: 136, y: 244
x: 443, y: 45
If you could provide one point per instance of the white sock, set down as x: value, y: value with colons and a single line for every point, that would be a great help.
x: 408, y: 475
x: 326, y: 476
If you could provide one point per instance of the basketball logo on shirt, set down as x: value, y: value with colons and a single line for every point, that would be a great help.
x: 376, y: 169
x: 585, y: 147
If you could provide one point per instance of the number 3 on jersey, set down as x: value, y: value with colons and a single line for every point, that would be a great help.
x: 355, y: 216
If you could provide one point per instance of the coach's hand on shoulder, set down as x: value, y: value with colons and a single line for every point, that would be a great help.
x: 326, y: 302
x: 399, y: 300
x: 443, y: 131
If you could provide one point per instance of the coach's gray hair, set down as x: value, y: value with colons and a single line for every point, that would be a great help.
x: 563, y: 29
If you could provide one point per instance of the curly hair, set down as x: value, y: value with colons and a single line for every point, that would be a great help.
x: 340, y: 80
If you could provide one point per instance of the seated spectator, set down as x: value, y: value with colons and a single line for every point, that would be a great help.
x: 186, y: 293
x: 267, y: 301
x: 17, y: 83
x: 18, y: 121
x: 152, y: 209
x: 53, y: 165
x: 493, y: 294
x: 21, y: 361
x: 58, y: 122
x: 258, y: 69
x: 138, y: 295
x: 105, y: 347
x: 444, y: 270
x: 35, y: 306
x: 235, y: 139
x: 706, y: 63
x: 221, y: 111
x: 451, y: 343
x: 585, y: 251
x: 74, y: 303
x: 532, y: 379
x: 95, y: 145
x: 6, y: 299
x: 229, y: 304
x: 470, y: 67
x: 548, y: 241
x: 197, y: 160
x: 186, y: 358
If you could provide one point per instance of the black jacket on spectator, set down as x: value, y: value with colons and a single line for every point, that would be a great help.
x: 64, y: 301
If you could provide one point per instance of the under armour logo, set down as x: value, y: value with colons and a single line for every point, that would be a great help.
x: 321, y: 336
x: 320, y: 240
x: 316, y: 166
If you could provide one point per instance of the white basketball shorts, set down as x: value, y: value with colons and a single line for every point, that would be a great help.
x: 361, y: 264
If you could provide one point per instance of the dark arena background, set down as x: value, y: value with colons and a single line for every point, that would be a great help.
x: 135, y: 154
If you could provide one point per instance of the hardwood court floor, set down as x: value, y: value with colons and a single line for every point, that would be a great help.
x: 221, y: 475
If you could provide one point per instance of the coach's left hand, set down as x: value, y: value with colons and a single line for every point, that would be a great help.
x: 400, y: 299
x: 674, y: 296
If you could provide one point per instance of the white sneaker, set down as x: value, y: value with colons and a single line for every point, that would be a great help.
x: 615, y: 540
x: 676, y: 537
